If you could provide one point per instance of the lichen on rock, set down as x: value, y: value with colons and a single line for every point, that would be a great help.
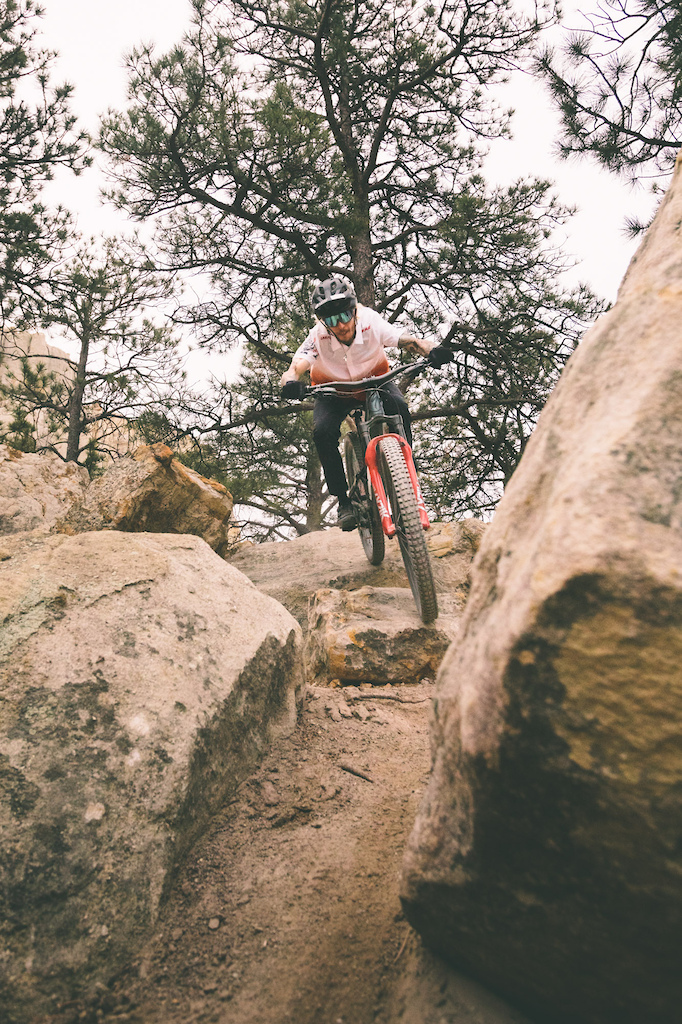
x: 375, y: 635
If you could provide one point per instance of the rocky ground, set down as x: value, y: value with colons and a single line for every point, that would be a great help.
x: 288, y: 909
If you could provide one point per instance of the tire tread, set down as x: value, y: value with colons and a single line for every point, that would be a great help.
x: 421, y: 577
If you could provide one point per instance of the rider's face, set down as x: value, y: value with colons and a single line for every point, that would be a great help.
x: 344, y: 332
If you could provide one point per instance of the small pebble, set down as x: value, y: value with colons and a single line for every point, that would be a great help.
x: 176, y: 934
x: 214, y: 923
x: 270, y: 794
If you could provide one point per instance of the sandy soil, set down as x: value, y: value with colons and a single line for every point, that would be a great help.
x: 288, y: 909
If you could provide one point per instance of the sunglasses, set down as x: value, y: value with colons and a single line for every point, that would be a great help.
x: 337, y: 318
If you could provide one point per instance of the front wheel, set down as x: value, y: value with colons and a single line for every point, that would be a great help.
x: 362, y: 500
x: 408, y: 526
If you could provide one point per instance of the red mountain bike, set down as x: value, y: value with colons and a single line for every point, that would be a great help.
x: 382, y: 482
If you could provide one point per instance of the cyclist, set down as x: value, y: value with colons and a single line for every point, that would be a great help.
x: 347, y: 343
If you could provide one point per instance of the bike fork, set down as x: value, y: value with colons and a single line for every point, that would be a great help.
x: 387, y: 524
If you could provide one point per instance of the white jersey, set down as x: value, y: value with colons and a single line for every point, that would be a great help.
x: 364, y: 357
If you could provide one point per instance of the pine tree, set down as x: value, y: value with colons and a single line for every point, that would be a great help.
x: 261, y: 448
x: 127, y: 364
x: 280, y: 141
x: 618, y: 84
x: 36, y: 138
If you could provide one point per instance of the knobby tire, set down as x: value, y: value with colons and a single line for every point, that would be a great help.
x: 409, y: 529
x: 367, y: 513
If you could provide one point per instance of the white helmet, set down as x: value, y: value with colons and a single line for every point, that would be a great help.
x: 333, y: 295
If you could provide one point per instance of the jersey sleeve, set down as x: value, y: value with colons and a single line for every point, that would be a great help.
x: 388, y: 334
x: 308, y: 349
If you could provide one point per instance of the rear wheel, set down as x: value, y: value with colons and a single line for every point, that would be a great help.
x: 408, y: 526
x: 362, y: 499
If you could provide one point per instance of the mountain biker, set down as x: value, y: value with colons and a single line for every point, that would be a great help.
x: 347, y: 343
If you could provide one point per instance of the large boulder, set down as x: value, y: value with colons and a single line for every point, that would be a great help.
x: 152, y: 491
x: 373, y: 635
x: 37, y: 490
x: 294, y: 571
x: 547, y: 854
x: 141, y: 677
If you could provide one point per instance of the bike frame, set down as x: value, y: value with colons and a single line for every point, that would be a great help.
x: 374, y: 417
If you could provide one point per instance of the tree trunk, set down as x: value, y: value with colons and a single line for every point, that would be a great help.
x: 363, y: 266
x: 313, y: 481
x: 76, y: 403
x: 358, y: 239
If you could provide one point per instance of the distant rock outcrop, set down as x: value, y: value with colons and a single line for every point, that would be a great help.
x: 374, y: 635
x: 17, y: 347
x: 547, y: 855
x: 140, y: 679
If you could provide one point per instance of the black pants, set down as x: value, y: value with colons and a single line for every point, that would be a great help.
x: 329, y: 414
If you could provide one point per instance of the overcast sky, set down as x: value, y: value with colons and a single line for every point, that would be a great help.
x: 92, y: 37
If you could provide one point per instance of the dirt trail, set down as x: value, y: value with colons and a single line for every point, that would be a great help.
x: 288, y: 909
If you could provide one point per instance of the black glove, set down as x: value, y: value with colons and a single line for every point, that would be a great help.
x: 294, y: 389
x: 439, y: 355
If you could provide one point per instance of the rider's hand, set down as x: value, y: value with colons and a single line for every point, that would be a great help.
x: 439, y: 355
x: 293, y: 389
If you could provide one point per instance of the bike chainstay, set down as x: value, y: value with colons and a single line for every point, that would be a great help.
x: 359, y: 499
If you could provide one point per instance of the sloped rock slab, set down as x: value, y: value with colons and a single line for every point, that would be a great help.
x: 293, y: 571
x: 141, y: 677
x: 37, y: 490
x: 547, y: 854
x: 151, y: 491
x: 375, y: 635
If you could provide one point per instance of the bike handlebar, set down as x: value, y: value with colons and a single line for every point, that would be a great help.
x: 334, y: 387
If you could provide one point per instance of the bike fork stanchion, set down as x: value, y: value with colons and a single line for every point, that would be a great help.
x: 387, y: 523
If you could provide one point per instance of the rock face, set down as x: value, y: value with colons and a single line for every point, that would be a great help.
x: 547, y: 855
x: 140, y: 678
x: 16, y: 346
x: 153, y: 492
x: 376, y: 636
x: 150, y: 491
x: 36, y: 490
x: 293, y: 572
